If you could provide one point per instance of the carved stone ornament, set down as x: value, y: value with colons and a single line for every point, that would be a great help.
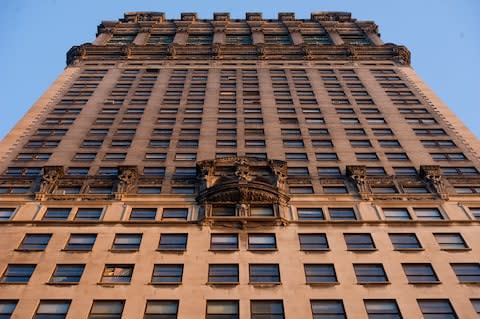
x: 358, y: 173
x: 432, y: 176
x: 172, y: 51
x: 217, y: 51
x: 127, y: 50
x: 127, y: 179
x: 50, y: 178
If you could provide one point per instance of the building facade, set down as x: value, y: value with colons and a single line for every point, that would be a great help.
x: 239, y: 168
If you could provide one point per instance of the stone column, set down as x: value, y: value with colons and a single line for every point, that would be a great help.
x: 142, y: 36
x: 334, y: 35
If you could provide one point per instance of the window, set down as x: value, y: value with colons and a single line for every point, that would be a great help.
x: 389, y: 143
x: 17, y: 273
x: 296, y: 156
x: 127, y: 242
x: 266, y: 309
x: 14, y: 190
x: 428, y: 213
x: 110, y: 171
x: 254, y: 143
x: 56, y: 214
x: 342, y: 214
x: 467, y: 272
x: 318, y: 131
x: 6, y: 213
x: 310, y: 214
x: 360, y: 143
x: 175, y: 213
x: 81, y: 242
x: 405, y: 171
x: 375, y: 171
x: 405, y: 241
x: 223, y: 274
x: 67, y: 274
x: 33, y: 156
x: 222, y: 309
x: 370, y: 273
x: 160, y: 143
x: 326, y: 156
x: 335, y: 190
x: 115, y: 156
x: 450, y: 241
x: 396, y: 214
x: 297, y: 171
x: 143, y: 214
x: 224, y: 242
x: 397, y: 156
x: 35, y: 242
x: 382, y: 308
x: 476, y: 305
x: 359, y: 242
x: 366, y: 156
x: 111, y: 309
x: 436, y: 309
x: 52, y: 309
x: 382, y: 132
x: 328, y: 171
x: 262, y: 242
x: 167, y: 274
x: 324, y: 309
x: 177, y: 242
x: 163, y: 309
x: 264, y: 273
x: 475, y: 212
x: 84, y: 156
x: 320, y: 273
x: 113, y: 274
x: 420, y: 273
x: 88, y: 214
x: 7, y: 307
x: 154, y: 171
x: 310, y: 242
x: 293, y: 143
x: 322, y: 143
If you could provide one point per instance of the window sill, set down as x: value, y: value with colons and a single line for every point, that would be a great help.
x: 360, y: 250
x: 319, y: 250
x: 222, y: 283
x: 13, y: 283
x: 429, y: 283
x: 29, y: 250
x: 112, y: 284
x: 61, y: 283
x: 262, y: 250
x: 165, y: 283
x: 409, y: 249
x: 224, y: 250
x: 171, y: 251
x: 264, y: 284
x: 123, y: 250
x: 374, y: 283
x: 455, y: 249
x: 76, y: 251
x: 333, y: 283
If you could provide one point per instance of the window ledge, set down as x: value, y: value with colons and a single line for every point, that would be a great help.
x: 222, y: 283
x: 165, y: 283
x: 333, y: 283
x: 112, y: 284
x: 265, y: 284
x: 76, y: 251
x: 123, y: 250
x: 362, y: 249
x: 225, y: 250
x: 29, y: 250
x: 409, y: 249
x: 262, y: 250
x: 319, y: 250
x: 381, y: 283
x: 13, y: 283
x: 455, y: 249
x: 171, y: 251
x: 425, y: 283
x: 61, y: 283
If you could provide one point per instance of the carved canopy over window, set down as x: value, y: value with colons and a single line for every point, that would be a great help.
x: 239, y: 187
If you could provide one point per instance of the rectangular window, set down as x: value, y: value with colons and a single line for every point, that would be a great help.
x: 154, y: 171
x: 296, y: 156
x: 167, y: 274
x: 223, y: 274
x: 173, y: 242
x: 55, y: 309
x: 320, y: 273
x: 262, y: 242
x: 396, y: 213
x: 67, y: 274
x: 7, y: 307
x: 113, y: 274
x: 335, y: 190
x: 450, y: 241
x: 359, y: 241
x: 35, y: 242
x: 322, y: 143
x: 420, y: 273
x: 329, y: 171
x: 161, y: 309
x: 264, y: 273
x: 309, y: 242
x: 370, y: 273
x: 143, y: 214
x: 88, y: 214
x: 293, y: 143
x: 175, y: 213
x: 222, y: 309
x: 382, y: 308
x: 405, y: 171
x: 17, y: 273
x: 437, y: 309
x: 81, y: 242
x: 127, y: 242
x: 366, y: 156
x: 476, y: 305
x: 324, y: 309
x: 342, y: 213
x: 326, y: 156
x: 224, y: 242
x: 266, y: 309
x: 57, y: 214
x: 405, y: 241
x: 310, y: 214
x: 430, y: 213
x: 111, y: 309
x: 467, y: 272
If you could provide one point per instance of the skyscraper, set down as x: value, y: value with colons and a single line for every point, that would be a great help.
x: 227, y: 168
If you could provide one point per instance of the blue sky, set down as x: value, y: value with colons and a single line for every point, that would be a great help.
x: 443, y: 36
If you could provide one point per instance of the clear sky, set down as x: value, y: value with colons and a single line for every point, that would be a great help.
x: 443, y: 36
